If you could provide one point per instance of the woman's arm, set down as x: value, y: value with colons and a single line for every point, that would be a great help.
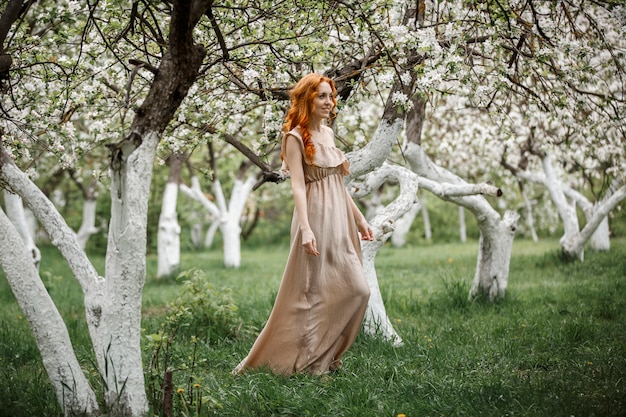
x: 293, y: 155
x: 361, y: 222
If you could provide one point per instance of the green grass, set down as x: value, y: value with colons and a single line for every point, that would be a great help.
x: 556, y: 346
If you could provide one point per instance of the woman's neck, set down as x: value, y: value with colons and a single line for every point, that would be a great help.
x: 315, y: 125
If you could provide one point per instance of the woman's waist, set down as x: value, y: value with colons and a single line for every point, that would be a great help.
x: 313, y: 173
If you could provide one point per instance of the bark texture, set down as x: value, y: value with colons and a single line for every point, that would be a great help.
x: 15, y: 211
x: 70, y: 384
x: 376, y: 319
x: 495, y: 245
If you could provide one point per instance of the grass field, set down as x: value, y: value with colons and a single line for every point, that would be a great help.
x: 556, y: 346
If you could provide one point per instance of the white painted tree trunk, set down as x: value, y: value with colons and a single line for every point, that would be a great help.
x: 229, y: 215
x: 196, y: 235
x: 375, y: 152
x: 494, y: 254
x: 231, y: 230
x: 15, y: 211
x: 210, y: 234
x: 567, y: 210
x: 574, y: 240
x: 575, y: 244
x: 168, y: 235
x: 56, y: 351
x: 496, y: 233
x: 126, y: 274
x: 88, y: 224
x: 530, y: 219
x: 231, y: 233
x: 600, y: 240
x: 66, y: 376
x: 462, y: 225
x: 365, y: 161
x: 376, y: 320
x: 403, y: 225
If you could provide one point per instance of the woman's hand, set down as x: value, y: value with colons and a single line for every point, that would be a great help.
x: 308, y: 241
x: 366, y: 231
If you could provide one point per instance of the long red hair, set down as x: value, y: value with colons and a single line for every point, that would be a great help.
x: 302, y: 106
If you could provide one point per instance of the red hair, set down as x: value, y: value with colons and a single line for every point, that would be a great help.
x: 302, y: 106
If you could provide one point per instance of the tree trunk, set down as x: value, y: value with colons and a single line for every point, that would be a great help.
x: 494, y: 254
x: 231, y: 215
x: 88, y: 224
x: 70, y: 384
x: 113, y: 306
x: 567, y: 211
x: 496, y: 234
x: 600, y: 240
x: 47, y: 325
x: 231, y: 233
x: 574, y: 240
x: 15, y: 211
x: 227, y: 216
x: 530, y: 219
x: 168, y: 236
x: 575, y: 244
x: 210, y: 234
x: 376, y: 319
x: 126, y: 274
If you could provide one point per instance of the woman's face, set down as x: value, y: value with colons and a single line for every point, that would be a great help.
x: 323, y: 101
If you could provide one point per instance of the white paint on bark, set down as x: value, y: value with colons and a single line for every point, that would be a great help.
x: 48, y: 327
x: 567, y: 211
x: 88, y: 224
x: 575, y: 244
x: 168, y: 235
x: 530, y: 219
x: 494, y: 254
x: 596, y: 228
x: 600, y: 240
x: 496, y: 233
x: 228, y: 214
x: 376, y: 320
x: 126, y: 274
x: 15, y: 211
x: 375, y: 152
x: 70, y: 384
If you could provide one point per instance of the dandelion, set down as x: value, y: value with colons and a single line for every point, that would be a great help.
x: 180, y: 390
x: 401, y: 415
x: 398, y: 321
x: 589, y: 363
x: 449, y: 260
x: 196, y: 385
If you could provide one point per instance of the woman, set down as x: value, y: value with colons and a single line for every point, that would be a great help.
x: 323, y: 294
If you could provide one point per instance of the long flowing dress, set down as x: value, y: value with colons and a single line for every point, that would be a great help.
x: 321, y: 302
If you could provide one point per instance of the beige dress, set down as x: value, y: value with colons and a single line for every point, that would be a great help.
x: 322, y: 299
